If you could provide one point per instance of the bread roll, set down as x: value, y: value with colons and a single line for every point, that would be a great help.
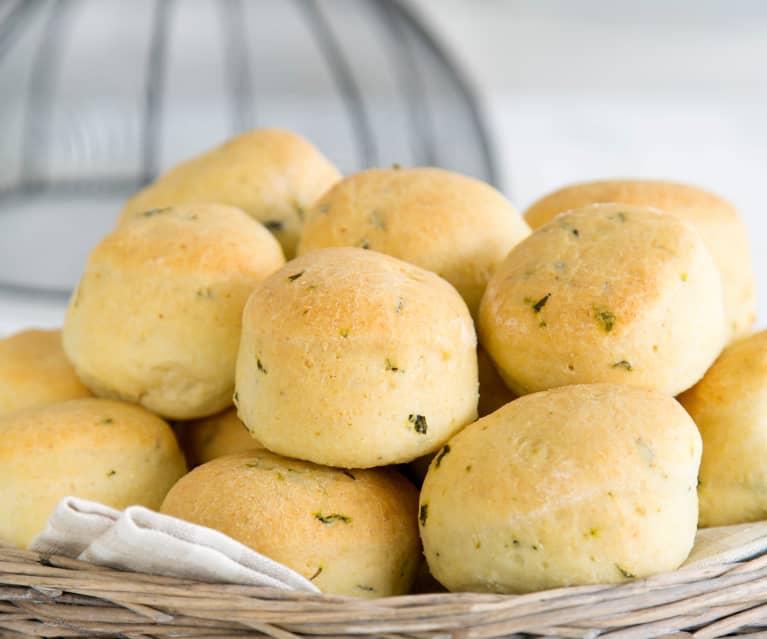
x: 35, y: 372
x: 608, y: 293
x: 587, y: 484
x: 98, y: 449
x: 350, y: 533
x: 717, y: 221
x: 272, y: 175
x: 353, y: 358
x: 215, y: 436
x: 445, y: 222
x: 729, y: 405
x: 156, y: 317
x: 493, y: 392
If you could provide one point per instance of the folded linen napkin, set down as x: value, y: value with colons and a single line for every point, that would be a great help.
x: 141, y: 540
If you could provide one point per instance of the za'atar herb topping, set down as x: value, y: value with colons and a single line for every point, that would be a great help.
x: 419, y: 423
x: 605, y: 318
x: 332, y: 518
x: 153, y: 212
x: 392, y: 367
x: 205, y: 293
x: 541, y: 303
x: 626, y: 573
x: 295, y: 276
x: 441, y: 455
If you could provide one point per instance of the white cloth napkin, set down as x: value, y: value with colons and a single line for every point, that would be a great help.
x: 141, y: 540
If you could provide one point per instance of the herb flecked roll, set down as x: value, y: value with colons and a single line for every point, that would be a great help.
x: 445, y: 222
x: 729, y: 405
x: 587, y: 484
x: 356, y: 359
x: 34, y: 371
x: 350, y: 532
x: 156, y: 316
x: 108, y: 451
x: 271, y: 174
x: 608, y: 293
x: 718, y: 222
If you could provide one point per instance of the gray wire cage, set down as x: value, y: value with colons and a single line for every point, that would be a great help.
x: 99, y: 96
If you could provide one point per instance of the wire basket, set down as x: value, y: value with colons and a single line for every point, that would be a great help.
x: 45, y: 596
x: 362, y: 79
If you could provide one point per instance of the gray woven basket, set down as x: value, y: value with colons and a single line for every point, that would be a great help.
x: 43, y: 596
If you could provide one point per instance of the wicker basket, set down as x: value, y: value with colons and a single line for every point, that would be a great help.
x: 44, y: 596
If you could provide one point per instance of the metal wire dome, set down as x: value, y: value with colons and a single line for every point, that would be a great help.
x: 100, y: 96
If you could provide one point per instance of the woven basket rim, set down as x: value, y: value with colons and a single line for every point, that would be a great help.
x: 48, y: 595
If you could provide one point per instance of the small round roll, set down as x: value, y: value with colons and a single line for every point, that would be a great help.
x: 451, y: 224
x: 111, y: 452
x: 718, y: 222
x: 608, y: 293
x: 350, y: 533
x: 493, y: 392
x: 729, y: 405
x: 579, y: 485
x: 271, y: 174
x: 215, y: 436
x: 156, y: 317
x: 353, y: 358
x: 35, y: 372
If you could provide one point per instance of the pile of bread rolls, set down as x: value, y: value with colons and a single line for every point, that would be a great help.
x: 419, y: 330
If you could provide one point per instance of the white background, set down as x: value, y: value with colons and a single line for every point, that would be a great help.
x: 592, y: 89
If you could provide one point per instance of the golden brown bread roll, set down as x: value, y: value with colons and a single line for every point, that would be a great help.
x: 349, y: 532
x: 729, y: 405
x: 445, y: 222
x: 157, y: 315
x: 608, y: 293
x: 214, y: 436
x: 271, y: 174
x: 717, y: 221
x: 108, y: 451
x: 579, y: 485
x: 35, y: 372
x: 493, y: 392
x: 353, y: 358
